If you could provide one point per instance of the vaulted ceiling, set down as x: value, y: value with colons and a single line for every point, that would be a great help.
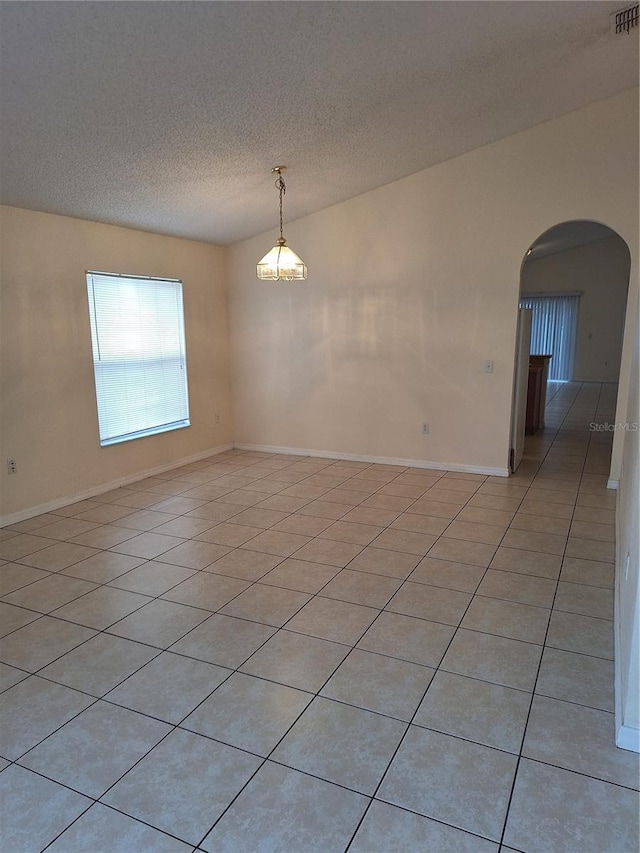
x: 168, y: 116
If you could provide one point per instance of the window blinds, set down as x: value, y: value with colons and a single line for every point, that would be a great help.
x: 553, y: 330
x: 139, y: 358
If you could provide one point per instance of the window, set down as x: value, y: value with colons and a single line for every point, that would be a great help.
x: 553, y: 330
x: 139, y: 361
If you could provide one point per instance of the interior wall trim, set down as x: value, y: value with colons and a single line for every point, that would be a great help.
x: 23, y: 514
x: 380, y: 460
x: 628, y: 737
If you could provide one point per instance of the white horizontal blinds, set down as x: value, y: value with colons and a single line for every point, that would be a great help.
x: 137, y: 334
x: 553, y: 331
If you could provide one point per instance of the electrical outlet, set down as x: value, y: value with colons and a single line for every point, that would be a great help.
x: 425, y: 428
x: 218, y: 418
x: 11, y: 466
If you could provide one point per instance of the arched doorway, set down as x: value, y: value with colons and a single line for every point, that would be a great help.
x: 567, y: 465
x: 574, y: 281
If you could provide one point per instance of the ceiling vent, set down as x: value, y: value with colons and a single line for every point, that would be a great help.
x: 624, y: 20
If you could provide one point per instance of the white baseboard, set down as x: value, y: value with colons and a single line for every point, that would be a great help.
x: 628, y: 738
x: 379, y: 460
x: 613, y: 484
x: 23, y: 514
x: 94, y: 491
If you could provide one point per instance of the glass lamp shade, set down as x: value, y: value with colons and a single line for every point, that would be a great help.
x: 281, y: 264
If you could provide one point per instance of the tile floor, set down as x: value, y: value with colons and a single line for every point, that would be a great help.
x: 261, y: 652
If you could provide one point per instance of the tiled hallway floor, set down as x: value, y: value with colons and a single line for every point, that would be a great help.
x: 272, y: 653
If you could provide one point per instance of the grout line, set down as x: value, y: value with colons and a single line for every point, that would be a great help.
x: 437, y: 669
x: 324, y: 470
x: 533, y: 691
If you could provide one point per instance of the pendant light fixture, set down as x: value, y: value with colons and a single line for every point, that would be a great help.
x: 281, y: 263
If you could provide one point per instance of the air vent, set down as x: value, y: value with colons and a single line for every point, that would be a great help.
x: 624, y: 20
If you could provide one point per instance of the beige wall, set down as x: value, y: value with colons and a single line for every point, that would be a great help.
x: 48, y: 420
x: 600, y: 271
x: 411, y: 287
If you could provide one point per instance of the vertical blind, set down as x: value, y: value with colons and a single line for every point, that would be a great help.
x: 139, y: 358
x: 553, y: 330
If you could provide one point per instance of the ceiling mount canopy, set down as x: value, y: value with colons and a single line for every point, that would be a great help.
x: 281, y: 263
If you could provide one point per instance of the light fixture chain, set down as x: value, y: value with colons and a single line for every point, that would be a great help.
x: 281, y: 263
x: 282, y: 189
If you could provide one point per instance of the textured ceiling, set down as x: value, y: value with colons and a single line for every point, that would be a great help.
x: 168, y: 116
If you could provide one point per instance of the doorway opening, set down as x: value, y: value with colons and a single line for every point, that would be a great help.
x: 573, y: 296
